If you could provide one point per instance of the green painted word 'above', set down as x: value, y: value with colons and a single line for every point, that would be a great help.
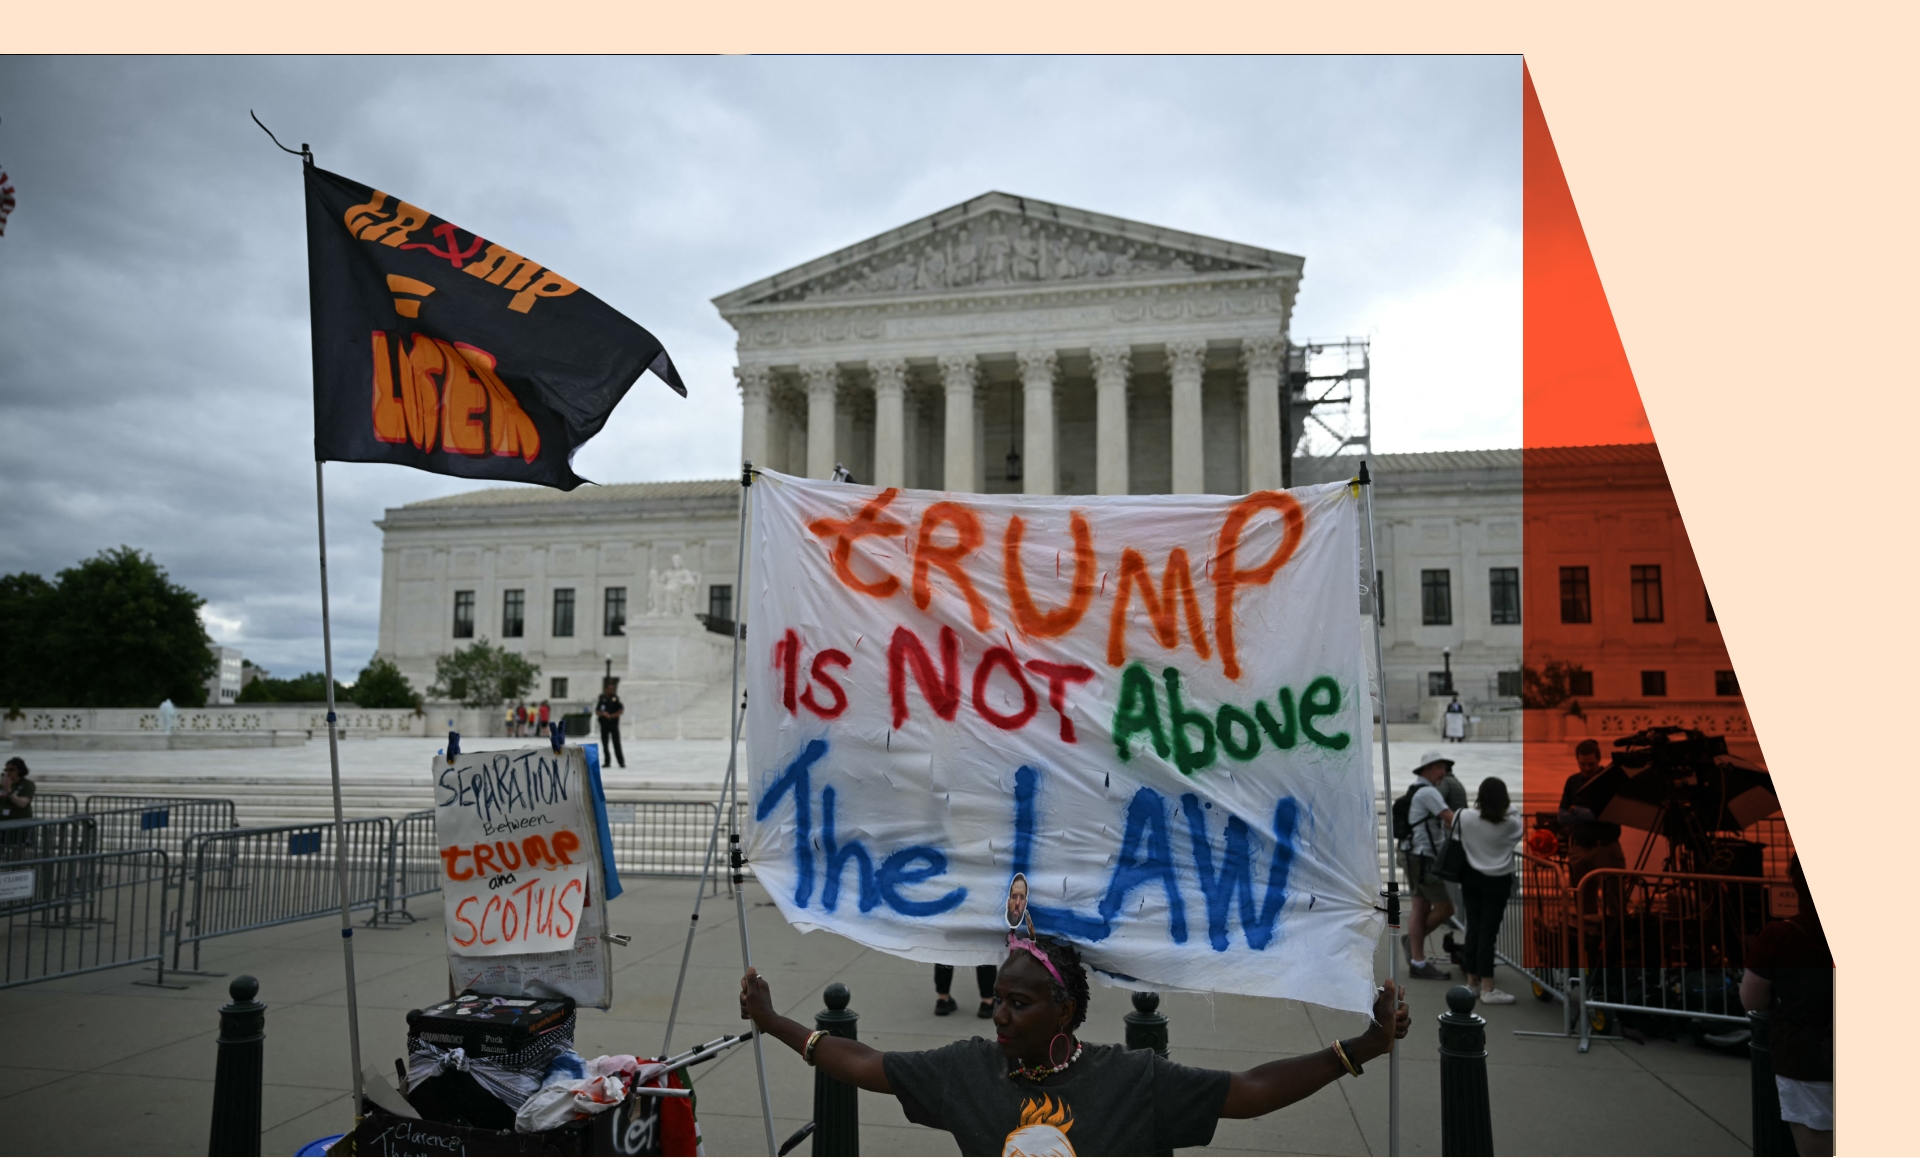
x: 1193, y: 740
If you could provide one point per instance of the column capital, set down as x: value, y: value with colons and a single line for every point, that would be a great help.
x: 1187, y: 356
x: 821, y: 377
x: 755, y: 381
x: 959, y: 372
x: 1263, y: 354
x: 1038, y: 365
x: 1109, y: 361
x: 889, y: 375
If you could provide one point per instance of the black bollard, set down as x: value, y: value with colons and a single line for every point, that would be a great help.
x: 1466, y: 1118
x: 1770, y: 1134
x: 836, y: 1105
x: 237, y: 1073
x: 1146, y: 1028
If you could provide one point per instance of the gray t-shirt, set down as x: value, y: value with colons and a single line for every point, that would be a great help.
x: 1424, y: 814
x: 1112, y: 1101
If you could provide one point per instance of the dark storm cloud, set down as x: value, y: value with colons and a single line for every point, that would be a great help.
x: 154, y: 361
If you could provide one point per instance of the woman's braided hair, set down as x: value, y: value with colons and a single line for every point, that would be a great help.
x: 1066, y: 959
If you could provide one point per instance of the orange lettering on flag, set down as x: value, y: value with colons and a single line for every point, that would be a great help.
x: 366, y: 213
x: 1227, y: 575
x: 406, y: 220
x: 1176, y: 580
x: 421, y: 369
x: 845, y: 532
x: 513, y: 432
x: 502, y: 266
x: 465, y: 401
x: 548, y: 285
x: 389, y: 410
x: 928, y: 554
x: 1029, y: 619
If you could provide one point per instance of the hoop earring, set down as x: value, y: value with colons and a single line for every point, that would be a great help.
x: 1064, y: 1060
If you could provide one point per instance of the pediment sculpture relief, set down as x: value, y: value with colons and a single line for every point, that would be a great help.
x: 1003, y: 249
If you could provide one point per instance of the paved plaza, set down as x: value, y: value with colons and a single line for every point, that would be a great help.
x: 102, y: 1065
x: 99, y: 1065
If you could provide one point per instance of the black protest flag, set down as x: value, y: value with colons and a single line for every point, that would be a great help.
x: 440, y: 349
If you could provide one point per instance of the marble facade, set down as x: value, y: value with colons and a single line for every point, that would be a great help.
x: 1101, y: 355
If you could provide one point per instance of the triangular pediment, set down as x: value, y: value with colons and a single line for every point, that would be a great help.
x: 999, y: 240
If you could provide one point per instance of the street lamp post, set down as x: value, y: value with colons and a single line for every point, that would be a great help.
x: 1446, y: 660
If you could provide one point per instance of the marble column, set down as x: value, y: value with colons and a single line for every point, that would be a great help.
x: 958, y: 374
x: 889, y: 422
x: 1186, y: 361
x: 1110, y: 364
x: 1039, y: 473
x: 823, y: 389
x: 1262, y: 358
x: 756, y: 388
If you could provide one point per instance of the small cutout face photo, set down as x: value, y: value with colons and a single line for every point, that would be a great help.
x: 1017, y: 901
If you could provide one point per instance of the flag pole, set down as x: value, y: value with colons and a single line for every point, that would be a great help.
x: 1392, y: 892
x: 736, y: 860
x: 339, y: 813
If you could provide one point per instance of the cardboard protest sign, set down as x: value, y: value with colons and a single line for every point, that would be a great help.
x: 519, y: 849
x: 1152, y: 711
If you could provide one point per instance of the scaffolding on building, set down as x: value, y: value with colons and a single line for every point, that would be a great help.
x: 1329, y: 407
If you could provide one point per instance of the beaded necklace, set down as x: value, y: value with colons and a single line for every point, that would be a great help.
x: 1038, y: 1072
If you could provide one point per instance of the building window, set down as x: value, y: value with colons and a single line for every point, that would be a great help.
x: 1648, y: 606
x: 1576, y: 596
x: 463, y: 615
x: 1508, y: 684
x: 559, y: 688
x: 1380, y: 598
x: 1711, y: 617
x: 1725, y: 683
x: 1653, y: 683
x: 1580, y: 683
x: 1437, y: 683
x: 1503, y: 593
x: 1436, y: 598
x: 615, y: 617
x: 720, y: 602
x: 513, y: 613
x: 563, y: 612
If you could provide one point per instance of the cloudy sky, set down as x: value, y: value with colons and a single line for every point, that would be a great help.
x: 154, y: 362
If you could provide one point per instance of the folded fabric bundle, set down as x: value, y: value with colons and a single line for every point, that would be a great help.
x: 511, y: 1077
x: 601, y: 1085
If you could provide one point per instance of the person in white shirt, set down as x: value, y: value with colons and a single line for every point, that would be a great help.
x: 1489, y: 832
x: 1429, y: 816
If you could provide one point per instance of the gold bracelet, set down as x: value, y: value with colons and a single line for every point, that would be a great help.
x: 1341, y: 1053
x: 813, y: 1039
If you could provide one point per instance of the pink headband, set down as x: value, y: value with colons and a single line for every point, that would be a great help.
x: 1017, y: 942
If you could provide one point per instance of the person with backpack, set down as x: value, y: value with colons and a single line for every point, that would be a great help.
x: 1420, y: 822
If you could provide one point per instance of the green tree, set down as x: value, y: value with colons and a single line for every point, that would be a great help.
x: 119, y: 633
x: 1550, y: 686
x: 382, y: 685
x: 25, y: 604
x: 483, y: 676
x: 305, y: 688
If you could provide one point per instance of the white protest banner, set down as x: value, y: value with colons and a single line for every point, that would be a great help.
x: 518, y: 849
x: 1152, y: 711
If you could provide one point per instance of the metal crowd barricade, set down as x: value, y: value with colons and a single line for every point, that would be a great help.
x: 56, y: 804
x: 81, y: 913
x: 252, y: 878
x: 660, y: 838
x: 413, y: 865
x: 129, y: 822
x: 1536, y: 936
x: 1667, y: 944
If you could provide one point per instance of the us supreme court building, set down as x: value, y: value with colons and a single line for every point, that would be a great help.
x: 1003, y: 345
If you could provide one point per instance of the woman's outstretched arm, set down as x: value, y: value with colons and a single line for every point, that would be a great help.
x: 1265, y: 1088
x: 841, y: 1058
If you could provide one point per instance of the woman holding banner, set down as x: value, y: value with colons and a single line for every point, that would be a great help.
x: 1038, y: 1089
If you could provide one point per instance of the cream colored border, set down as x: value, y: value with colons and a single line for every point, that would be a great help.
x: 1742, y: 172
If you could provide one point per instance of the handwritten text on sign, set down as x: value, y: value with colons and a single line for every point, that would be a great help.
x: 513, y: 858
x: 1156, y: 708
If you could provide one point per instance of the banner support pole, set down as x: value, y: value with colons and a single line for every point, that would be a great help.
x: 736, y: 860
x: 339, y: 812
x: 1392, y: 891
